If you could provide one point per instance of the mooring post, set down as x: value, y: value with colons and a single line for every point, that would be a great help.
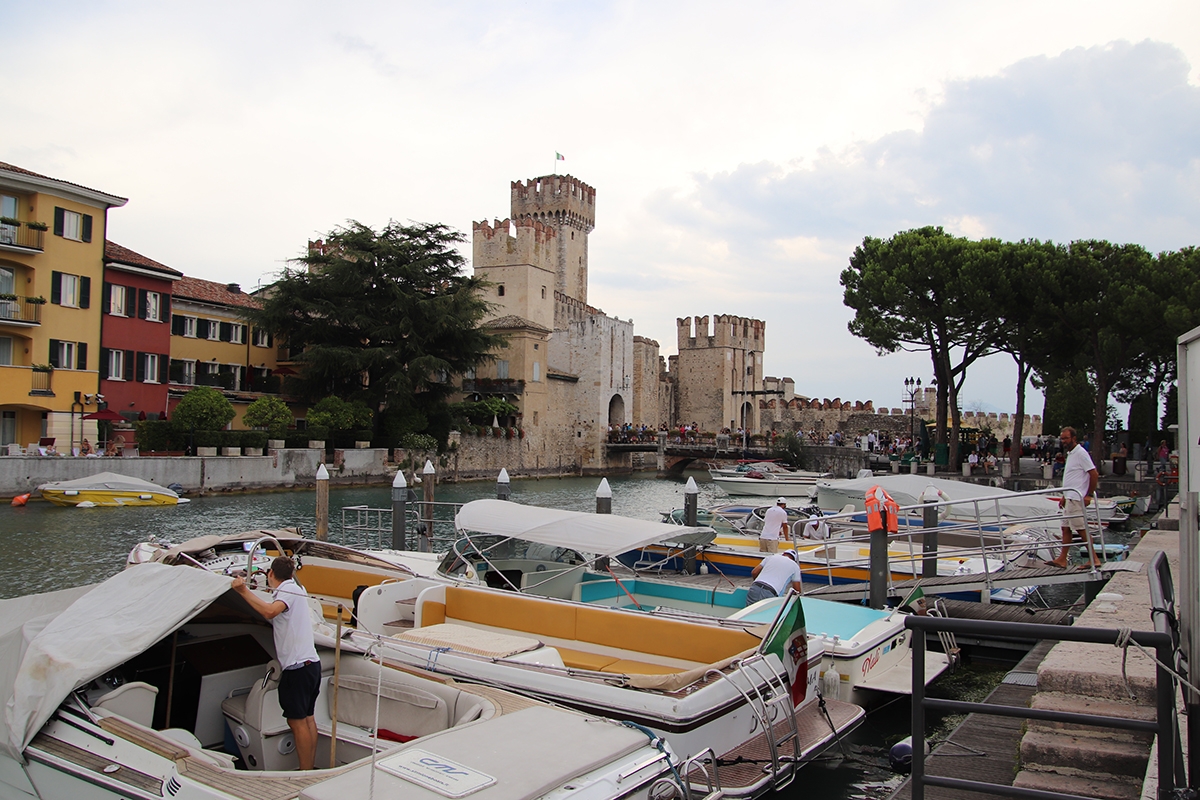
x: 399, y: 510
x: 604, y: 497
x: 879, y: 563
x: 929, y: 542
x: 503, y: 486
x: 322, y: 503
x: 428, y: 478
x: 691, y: 498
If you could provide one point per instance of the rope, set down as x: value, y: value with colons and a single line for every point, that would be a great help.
x: 1124, y: 640
x: 658, y: 744
x: 623, y: 589
x: 375, y: 736
x: 825, y: 713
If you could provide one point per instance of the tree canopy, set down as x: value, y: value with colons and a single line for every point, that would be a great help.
x: 203, y: 409
x: 383, y: 317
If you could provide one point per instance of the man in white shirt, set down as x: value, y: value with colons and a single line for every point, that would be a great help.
x: 1079, y: 474
x: 774, y: 524
x: 816, y: 528
x: 973, y: 460
x: 773, y: 575
x: 294, y: 650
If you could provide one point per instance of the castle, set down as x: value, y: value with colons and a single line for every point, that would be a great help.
x: 574, y: 372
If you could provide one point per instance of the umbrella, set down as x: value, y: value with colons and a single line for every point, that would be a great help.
x: 141, y: 416
x: 284, y: 371
x: 104, y: 415
x: 163, y: 415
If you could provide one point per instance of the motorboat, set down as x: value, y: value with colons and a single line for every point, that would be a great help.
x: 765, y: 479
x: 109, y: 489
x: 160, y: 682
x: 744, y: 693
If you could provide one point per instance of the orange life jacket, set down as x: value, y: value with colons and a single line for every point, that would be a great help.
x: 876, y: 500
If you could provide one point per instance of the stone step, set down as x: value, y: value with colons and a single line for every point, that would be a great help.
x: 1103, y: 787
x: 1057, y: 701
x: 1049, y: 750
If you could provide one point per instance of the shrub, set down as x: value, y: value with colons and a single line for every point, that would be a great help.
x: 418, y: 441
x: 207, y: 438
x: 362, y: 435
x: 155, y: 435
x: 338, y: 415
x: 231, y: 438
x: 317, y: 433
x: 202, y: 409
x: 296, y: 439
x: 269, y: 413
x: 256, y: 439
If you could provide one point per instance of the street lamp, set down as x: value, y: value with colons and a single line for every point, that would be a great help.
x: 912, y: 387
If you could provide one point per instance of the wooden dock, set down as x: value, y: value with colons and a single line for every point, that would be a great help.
x: 984, y: 747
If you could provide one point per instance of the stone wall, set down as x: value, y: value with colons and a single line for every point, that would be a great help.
x: 646, y: 372
x: 482, y: 458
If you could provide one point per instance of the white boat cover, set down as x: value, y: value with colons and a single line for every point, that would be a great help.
x: 908, y: 489
x: 599, y: 534
x: 110, y: 481
x: 68, y: 644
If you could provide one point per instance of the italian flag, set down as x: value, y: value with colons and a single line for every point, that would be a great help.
x: 559, y: 156
x: 788, y: 640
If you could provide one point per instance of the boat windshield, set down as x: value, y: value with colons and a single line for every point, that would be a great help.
x: 496, y: 548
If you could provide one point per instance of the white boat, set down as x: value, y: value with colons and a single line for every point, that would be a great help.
x: 125, y: 689
x: 767, y: 484
x: 109, y: 489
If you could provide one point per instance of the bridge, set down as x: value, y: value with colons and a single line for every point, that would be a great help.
x: 674, y: 457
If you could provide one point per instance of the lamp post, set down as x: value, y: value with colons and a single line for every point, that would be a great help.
x: 912, y: 387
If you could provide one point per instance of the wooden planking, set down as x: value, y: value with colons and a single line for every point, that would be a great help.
x: 96, y: 763
x: 252, y: 785
x: 997, y: 738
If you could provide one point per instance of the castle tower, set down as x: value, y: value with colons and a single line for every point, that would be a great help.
x: 568, y: 206
x: 719, y: 372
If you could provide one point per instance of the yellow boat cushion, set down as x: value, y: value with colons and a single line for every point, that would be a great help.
x: 527, y: 614
x: 627, y: 667
x: 334, y: 581
x: 580, y: 659
x: 432, y: 613
x: 664, y: 637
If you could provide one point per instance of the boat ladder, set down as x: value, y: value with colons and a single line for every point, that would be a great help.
x: 768, y: 697
x: 946, y: 638
x: 712, y: 780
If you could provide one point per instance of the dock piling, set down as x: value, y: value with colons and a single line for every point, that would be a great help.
x: 929, y: 542
x: 399, y: 510
x: 604, y: 497
x: 428, y: 478
x: 691, y: 500
x: 503, y: 485
x: 879, y: 564
x: 322, y: 503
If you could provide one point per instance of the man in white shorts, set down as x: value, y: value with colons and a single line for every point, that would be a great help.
x: 774, y: 524
x: 1079, y: 474
x: 773, y: 575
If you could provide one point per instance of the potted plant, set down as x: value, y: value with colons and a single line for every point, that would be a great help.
x: 207, y: 442
x: 37, y: 226
x: 37, y: 301
x: 7, y: 296
x: 362, y: 439
x: 317, y: 434
x: 271, y: 414
x: 253, y: 442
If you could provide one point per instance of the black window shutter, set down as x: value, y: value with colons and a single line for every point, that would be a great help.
x: 202, y: 328
x: 141, y: 301
x: 54, y: 349
x: 177, y: 325
x: 226, y: 332
x: 56, y: 287
x: 81, y: 355
x: 105, y: 362
x: 106, y: 298
x: 164, y: 305
x: 245, y: 333
x: 269, y: 339
x: 85, y: 292
x: 140, y: 360
x: 164, y: 367
x: 128, y: 365
x: 59, y: 217
x: 87, y: 227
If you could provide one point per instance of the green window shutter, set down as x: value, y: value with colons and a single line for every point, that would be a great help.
x: 177, y: 325
x: 87, y: 227
x: 54, y: 349
x: 129, y: 354
x: 140, y: 361
x: 59, y: 221
x: 164, y: 368
x: 56, y: 288
x: 85, y: 292
x: 202, y: 328
x: 226, y: 331
x: 81, y: 355
x: 164, y: 305
x: 141, y: 303
x: 104, y: 363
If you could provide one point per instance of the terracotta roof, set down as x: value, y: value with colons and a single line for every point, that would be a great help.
x: 512, y: 322
x: 123, y: 255
x: 212, y: 292
x: 21, y: 171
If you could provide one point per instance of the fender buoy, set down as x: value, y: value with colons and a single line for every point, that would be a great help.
x: 21, y: 499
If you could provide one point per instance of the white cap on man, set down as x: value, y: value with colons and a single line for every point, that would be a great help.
x: 792, y: 555
x: 781, y: 502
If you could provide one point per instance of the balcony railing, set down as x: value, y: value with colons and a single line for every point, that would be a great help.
x: 21, y: 236
x: 493, y: 386
x: 41, y: 383
x: 26, y: 310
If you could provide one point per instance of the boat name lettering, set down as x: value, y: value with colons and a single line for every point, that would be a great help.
x: 870, y: 661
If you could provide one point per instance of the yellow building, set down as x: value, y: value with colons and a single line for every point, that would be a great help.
x: 51, y: 271
x: 213, y: 345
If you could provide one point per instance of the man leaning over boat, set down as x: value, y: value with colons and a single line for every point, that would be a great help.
x: 773, y: 575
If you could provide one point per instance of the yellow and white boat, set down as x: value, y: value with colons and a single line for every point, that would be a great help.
x: 109, y: 489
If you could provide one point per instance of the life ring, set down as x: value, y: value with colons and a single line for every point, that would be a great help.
x: 1161, y: 479
x: 21, y: 499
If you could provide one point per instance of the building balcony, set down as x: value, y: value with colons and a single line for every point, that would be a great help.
x: 41, y: 382
x: 21, y: 239
x: 16, y: 310
x: 493, y: 386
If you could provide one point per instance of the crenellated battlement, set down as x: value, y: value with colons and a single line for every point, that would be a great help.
x: 495, y: 245
x: 561, y: 198
x: 742, y: 333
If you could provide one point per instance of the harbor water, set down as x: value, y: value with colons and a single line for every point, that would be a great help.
x: 46, y: 547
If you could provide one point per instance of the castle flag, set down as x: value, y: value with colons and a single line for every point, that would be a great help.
x: 559, y: 156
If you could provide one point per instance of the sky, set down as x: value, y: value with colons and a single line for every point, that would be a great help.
x: 738, y: 155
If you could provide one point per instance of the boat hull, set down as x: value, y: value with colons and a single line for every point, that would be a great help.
x: 73, y: 497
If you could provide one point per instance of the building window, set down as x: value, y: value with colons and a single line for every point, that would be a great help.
x: 151, y: 367
x: 214, y: 330
x: 70, y: 290
x: 543, y: 292
x: 72, y: 226
x: 116, y: 365
x: 238, y: 334
x: 537, y: 372
x: 189, y: 327
x: 262, y: 338
x: 189, y: 372
x: 500, y: 290
x: 502, y: 370
x: 8, y: 427
x: 6, y: 351
x: 154, y: 306
x: 67, y: 355
x: 117, y: 300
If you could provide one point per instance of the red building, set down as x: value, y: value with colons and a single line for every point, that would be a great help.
x: 135, y: 332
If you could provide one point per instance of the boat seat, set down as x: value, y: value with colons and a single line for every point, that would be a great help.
x: 256, y: 720
x: 197, y: 750
x: 581, y: 659
x: 627, y: 666
x: 133, y: 701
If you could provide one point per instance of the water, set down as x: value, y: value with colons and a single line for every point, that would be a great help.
x: 47, y: 547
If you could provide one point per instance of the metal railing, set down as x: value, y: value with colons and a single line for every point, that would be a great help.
x: 22, y: 236
x: 22, y: 309
x: 1164, y: 726
x: 41, y: 382
x: 369, y: 528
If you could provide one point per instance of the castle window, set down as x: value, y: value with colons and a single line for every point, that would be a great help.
x: 502, y: 370
x: 500, y: 290
x: 543, y: 292
x: 537, y: 372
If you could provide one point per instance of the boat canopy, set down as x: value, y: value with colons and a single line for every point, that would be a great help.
x: 600, y: 534
x: 50, y: 645
x: 908, y: 489
x: 110, y: 481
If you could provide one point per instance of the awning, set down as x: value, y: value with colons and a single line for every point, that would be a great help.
x: 600, y: 534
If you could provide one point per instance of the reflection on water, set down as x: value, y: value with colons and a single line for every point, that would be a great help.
x: 46, y: 547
